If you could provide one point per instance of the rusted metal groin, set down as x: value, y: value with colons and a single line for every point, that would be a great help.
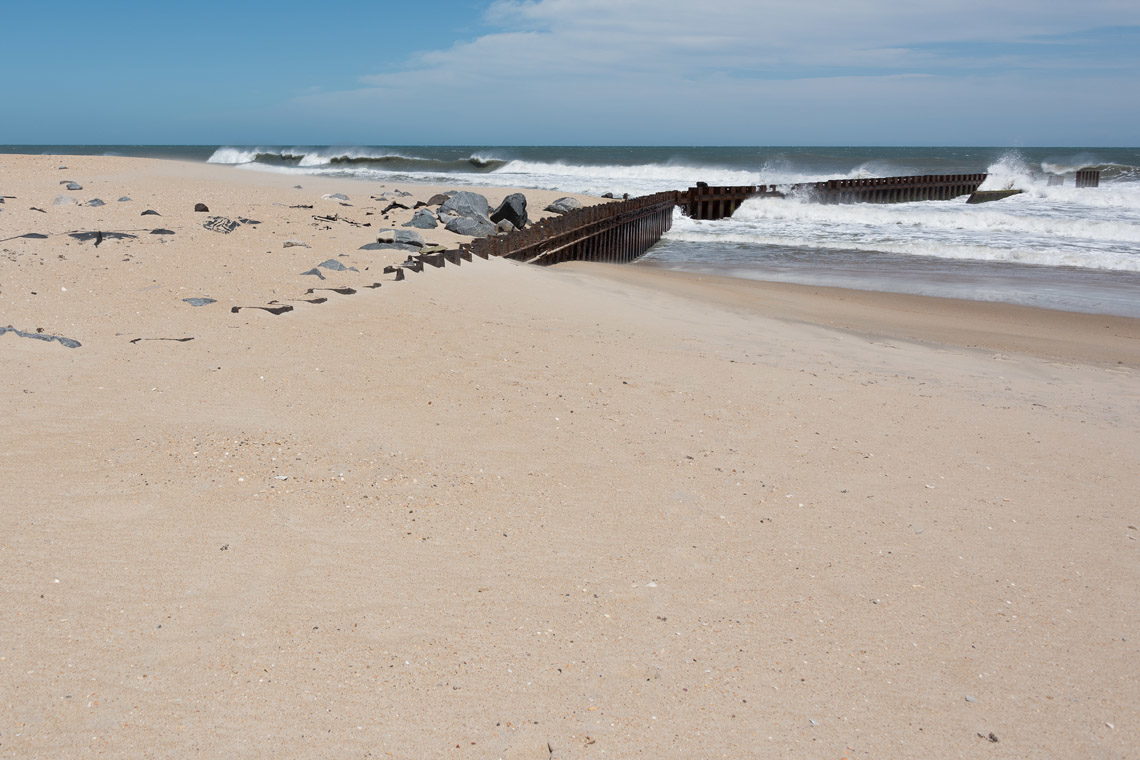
x: 704, y: 202
x: 616, y: 232
x: 621, y: 231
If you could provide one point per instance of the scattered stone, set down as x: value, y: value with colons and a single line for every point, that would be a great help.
x: 437, y: 199
x: 424, y: 219
x: 201, y: 207
x: 34, y: 236
x: 986, y: 196
x: 400, y: 239
x: 316, y: 272
x: 294, y: 244
x: 221, y: 224
x: 336, y: 266
x: 69, y: 185
x: 466, y: 203
x: 95, y: 202
x: 150, y: 212
x: 335, y: 197
x: 505, y: 226
x: 472, y: 226
x: 161, y: 231
x: 40, y: 335
x: 64, y: 200
x: 513, y: 210
x: 564, y: 205
x: 124, y: 199
x: 196, y: 301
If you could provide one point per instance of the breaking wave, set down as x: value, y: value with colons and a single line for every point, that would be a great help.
x: 352, y: 158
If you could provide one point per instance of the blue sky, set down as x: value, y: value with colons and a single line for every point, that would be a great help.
x: 504, y: 72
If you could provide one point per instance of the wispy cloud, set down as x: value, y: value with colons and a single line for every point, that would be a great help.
x: 609, y: 69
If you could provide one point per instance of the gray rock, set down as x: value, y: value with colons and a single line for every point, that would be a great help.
x: 335, y: 197
x: 391, y: 246
x: 478, y: 226
x: 466, y: 203
x: 71, y: 185
x: 64, y: 200
x: 124, y: 199
x: 513, y: 210
x: 437, y: 199
x: 150, y: 212
x: 201, y: 207
x: 200, y: 301
x: 504, y: 225
x: 423, y: 219
x: 403, y: 237
x: 336, y: 266
x: 95, y: 202
x: 162, y: 231
x: 38, y: 335
x: 564, y: 205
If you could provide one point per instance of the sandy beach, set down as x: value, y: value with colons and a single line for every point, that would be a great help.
x: 501, y: 511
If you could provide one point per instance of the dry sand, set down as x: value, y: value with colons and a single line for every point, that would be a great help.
x: 503, y: 511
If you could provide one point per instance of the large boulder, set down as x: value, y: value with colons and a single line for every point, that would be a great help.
x: 564, y: 205
x: 465, y: 203
x: 423, y: 219
x: 512, y: 209
x: 475, y: 226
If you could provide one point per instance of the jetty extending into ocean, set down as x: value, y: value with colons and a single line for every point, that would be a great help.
x: 624, y: 230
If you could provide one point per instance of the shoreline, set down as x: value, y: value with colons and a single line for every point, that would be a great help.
x: 977, y: 325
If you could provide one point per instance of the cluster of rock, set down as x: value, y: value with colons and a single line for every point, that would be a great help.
x: 467, y: 213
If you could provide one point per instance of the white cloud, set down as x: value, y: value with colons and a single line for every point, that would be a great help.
x: 611, y: 70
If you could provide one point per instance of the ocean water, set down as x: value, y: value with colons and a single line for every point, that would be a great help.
x: 1054, y: 246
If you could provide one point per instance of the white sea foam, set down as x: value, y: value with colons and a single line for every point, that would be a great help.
x: 1023, y: 233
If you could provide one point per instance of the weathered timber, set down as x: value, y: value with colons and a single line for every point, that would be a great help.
x: 1088, y: 178
x: 624, y: 230
x: 704, y: 202
x: 616, y: 232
